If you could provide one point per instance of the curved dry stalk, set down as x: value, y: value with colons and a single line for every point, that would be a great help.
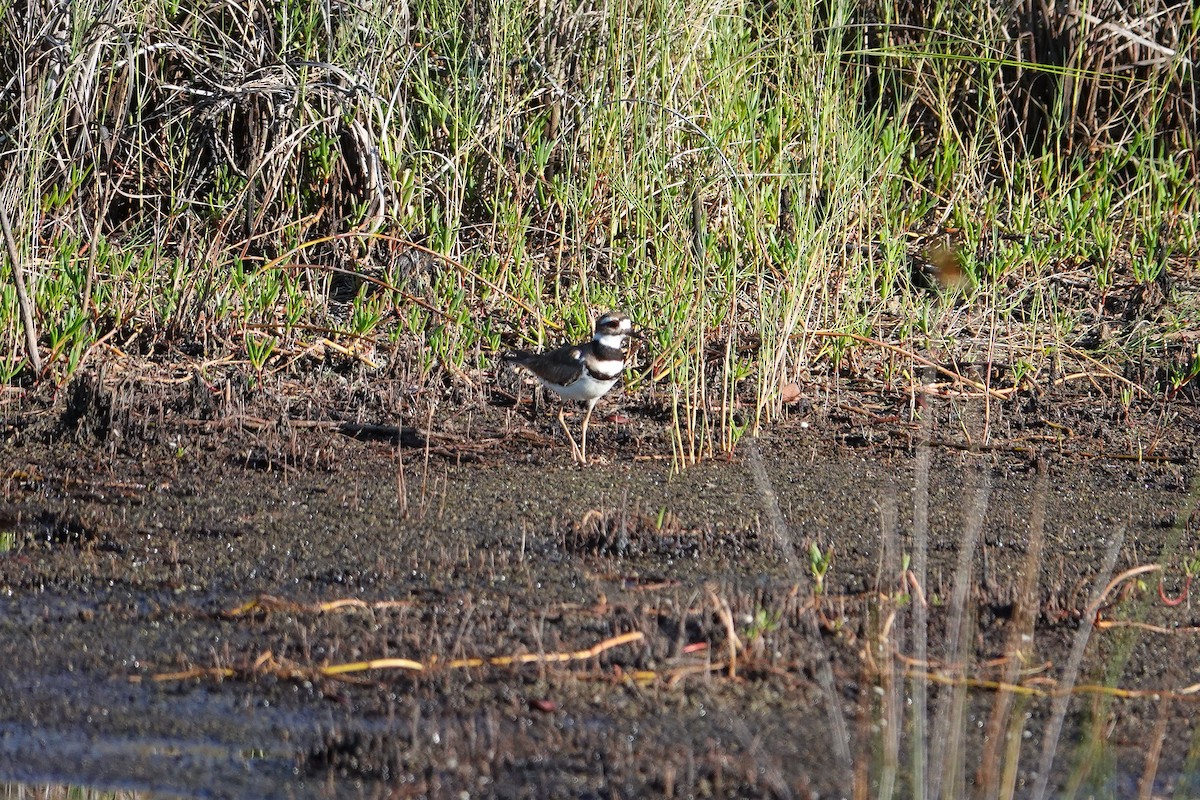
x: 22, y: 293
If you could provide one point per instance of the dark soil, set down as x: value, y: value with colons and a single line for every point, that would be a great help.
x: 171, y: 567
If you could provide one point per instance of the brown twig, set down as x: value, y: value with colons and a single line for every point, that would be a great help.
x: 1133, y: 572
x: 333, y: 670
x: 1103, y: 370
x: 732, y: 641
x: 546, y: 658
x: 268, y: 603
x: 910, y: 578
x: 267, y: 662
x: 22, y: 295
x: 1033, y: 691
x: 1105, y: 624
x: 997, y: 394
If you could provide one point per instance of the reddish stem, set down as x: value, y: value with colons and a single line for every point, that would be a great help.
x: 1187, y: 582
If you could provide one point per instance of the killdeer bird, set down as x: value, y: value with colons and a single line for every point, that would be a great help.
x: 582, y: 371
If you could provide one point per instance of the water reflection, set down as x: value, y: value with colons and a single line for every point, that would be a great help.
x: 21, y: 791
x: 1068, y: 705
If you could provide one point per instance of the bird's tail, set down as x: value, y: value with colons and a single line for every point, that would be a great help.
x: 517, y: 357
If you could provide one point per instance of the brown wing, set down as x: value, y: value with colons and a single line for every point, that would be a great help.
x: 561, y: 366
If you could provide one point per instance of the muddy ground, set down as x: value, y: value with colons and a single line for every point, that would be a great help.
x: 179, y: 582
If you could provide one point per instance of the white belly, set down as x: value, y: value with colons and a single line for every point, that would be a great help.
x: 585, y: 388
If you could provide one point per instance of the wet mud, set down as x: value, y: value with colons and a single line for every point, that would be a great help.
x: 250, y: 604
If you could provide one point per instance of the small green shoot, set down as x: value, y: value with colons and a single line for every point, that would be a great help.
x: 763, y: 622
x: 818, y: 566
x: 259, y: 349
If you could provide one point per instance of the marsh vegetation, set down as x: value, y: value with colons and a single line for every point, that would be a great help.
x: 788, y: 193
x: 269, y: 520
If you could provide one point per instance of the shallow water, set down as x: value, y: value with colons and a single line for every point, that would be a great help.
x: 943, y: 647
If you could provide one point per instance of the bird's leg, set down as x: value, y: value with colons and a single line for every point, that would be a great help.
x: 575, y: 454
x: 583, y: 435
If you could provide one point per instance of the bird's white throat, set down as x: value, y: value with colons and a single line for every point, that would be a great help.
x: 615, y: 341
